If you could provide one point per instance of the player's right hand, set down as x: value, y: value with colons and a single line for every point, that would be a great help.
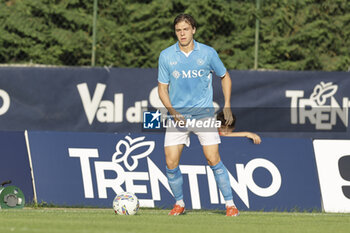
x: 228, y: 116
x: 256, y: 138
x: 177, y: 117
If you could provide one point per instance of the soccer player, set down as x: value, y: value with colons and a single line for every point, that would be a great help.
x: 185, y: 88
x: 226, y: 130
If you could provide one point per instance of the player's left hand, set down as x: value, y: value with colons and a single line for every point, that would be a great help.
x: 228, y: 116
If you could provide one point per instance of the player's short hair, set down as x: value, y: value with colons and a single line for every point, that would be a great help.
x: 220, y: 117
x: 187, y: 18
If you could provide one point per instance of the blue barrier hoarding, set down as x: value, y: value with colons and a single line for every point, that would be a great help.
x: 75, y: 99
x: 306, y: 104
x: 275, y: 103
x: 292, y: 158
x: 90, y: 168
x: 14, y: 163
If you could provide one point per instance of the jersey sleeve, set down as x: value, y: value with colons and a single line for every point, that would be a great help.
x: 217, y: 65
x: 163, y: 73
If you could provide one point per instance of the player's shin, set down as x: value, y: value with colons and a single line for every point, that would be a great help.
x: 223, y: 182
x: 175, y: 181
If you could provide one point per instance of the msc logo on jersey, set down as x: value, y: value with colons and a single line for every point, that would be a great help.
x: 151, y: 120
x: 188, y: 74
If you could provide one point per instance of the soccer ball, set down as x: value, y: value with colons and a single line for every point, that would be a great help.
x: 126, y: 203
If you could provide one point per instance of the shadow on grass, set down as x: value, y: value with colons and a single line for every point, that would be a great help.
x: 215, y: 212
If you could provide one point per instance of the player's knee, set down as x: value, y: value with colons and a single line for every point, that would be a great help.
x: 213, y: 161
x: 171, y: 164
x: 172, y: 157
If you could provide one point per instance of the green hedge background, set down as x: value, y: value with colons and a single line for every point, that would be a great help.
x: 294, y: 34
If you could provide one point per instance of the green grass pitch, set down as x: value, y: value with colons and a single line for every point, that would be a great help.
x: 88, y: 220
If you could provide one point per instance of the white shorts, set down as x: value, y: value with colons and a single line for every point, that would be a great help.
x: 177, y: 136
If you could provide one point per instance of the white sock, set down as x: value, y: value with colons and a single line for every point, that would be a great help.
x: 180, y: 203
x: 230, y: 203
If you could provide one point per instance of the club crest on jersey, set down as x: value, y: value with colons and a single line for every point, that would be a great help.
x: 200, y: 61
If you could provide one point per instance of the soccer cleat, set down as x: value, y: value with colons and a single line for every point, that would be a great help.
x: 177, y: 210
x: 232, y: 211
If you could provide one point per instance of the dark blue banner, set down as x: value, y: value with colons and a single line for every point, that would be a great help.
x: 90, y: 168
x: 75, y: 99
x: 275, y: 103
x: 14, y: 163
x: 291, y: 103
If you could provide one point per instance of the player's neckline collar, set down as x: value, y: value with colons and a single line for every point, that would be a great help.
x: 196, y: 46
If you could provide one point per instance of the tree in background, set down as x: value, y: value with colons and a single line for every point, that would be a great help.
x: 305, y: 35
x: 294, y: 34
x: 45, y: 32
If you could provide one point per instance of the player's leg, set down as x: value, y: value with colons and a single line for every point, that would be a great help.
x: 173, y: 155
x: 173, y: 145
x: 210, y: 143
x: 173, y: 173
x: 222, y: 179
x: 211, y: 153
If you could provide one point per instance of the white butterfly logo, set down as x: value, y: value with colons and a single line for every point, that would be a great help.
x: 131, y: 145
x: 322, y: 92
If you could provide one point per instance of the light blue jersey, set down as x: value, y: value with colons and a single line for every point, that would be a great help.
x: 190, y: 78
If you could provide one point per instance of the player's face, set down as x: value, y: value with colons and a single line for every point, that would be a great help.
x: 184, y: 33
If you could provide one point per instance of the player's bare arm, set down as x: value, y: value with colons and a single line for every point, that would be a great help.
x: 226, y: 84
x: 163, y: 93
x: 253, y: 136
